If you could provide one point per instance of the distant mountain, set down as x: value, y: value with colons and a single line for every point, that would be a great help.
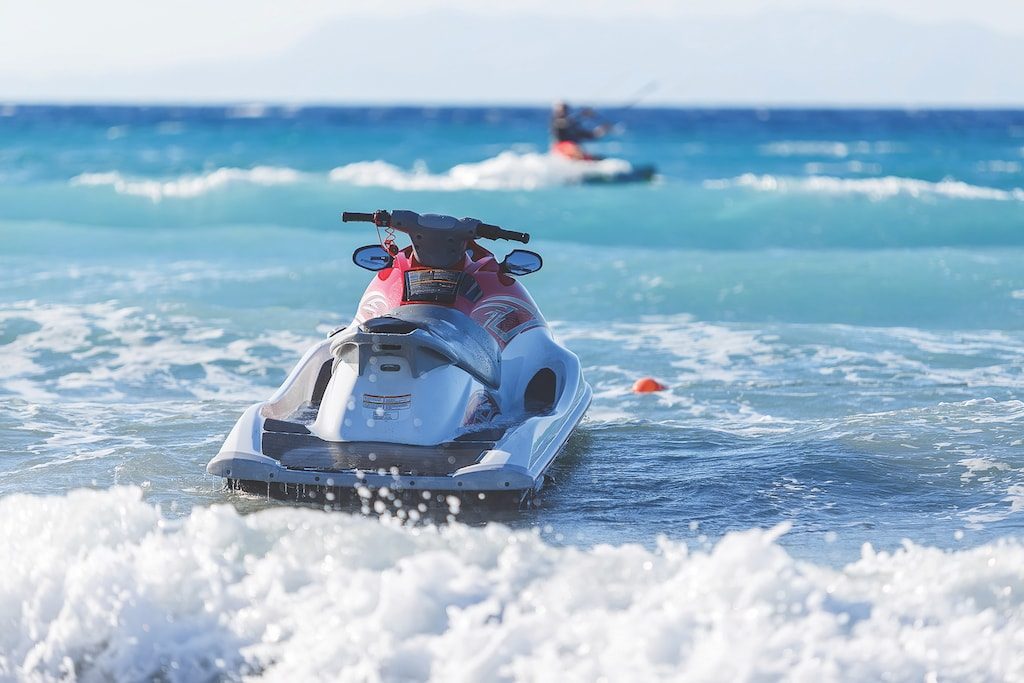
x: 800, y: 58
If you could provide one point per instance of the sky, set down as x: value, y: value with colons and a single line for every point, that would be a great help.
x: 117, y: 49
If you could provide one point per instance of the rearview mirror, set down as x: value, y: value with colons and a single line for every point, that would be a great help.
x: 372, y: 257
x: 521, y: 262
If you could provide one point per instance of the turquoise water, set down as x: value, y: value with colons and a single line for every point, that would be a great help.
x: 834, y: 298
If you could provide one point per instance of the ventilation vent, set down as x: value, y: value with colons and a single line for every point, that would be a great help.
x: 540, y: 392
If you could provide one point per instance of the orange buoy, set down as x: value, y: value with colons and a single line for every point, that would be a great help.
x: 646, y: 385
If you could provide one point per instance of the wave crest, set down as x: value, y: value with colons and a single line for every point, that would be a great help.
x: 826, y: 148
x: 188, y: 185
x: 506, y: 171
x: 102, y: 585
x: 876, y: 188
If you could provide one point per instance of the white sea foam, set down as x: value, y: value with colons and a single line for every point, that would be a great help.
x: 99, y: 586
x: 1011, y: 503
x: 189, y: 185
x: 789, y: 148
x: 700, y: 351
x: 825, y: 148
x: 728, y: 377
x: 852, y: 166
x: 970, y: 343
x: 506, y: 171
x: 253, y: 110
x: 875, y: 188
x: 983, y: 359
x: 1000, y: 166
x: 979, y: 467
x: 140, y: 352
x: 685, y: 354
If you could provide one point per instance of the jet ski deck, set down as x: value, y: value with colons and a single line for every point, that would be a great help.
x: 297, y: 450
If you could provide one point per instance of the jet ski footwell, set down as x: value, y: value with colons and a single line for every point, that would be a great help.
x: 293, y: 463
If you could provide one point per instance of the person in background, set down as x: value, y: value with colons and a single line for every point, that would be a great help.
x: 568, y: 131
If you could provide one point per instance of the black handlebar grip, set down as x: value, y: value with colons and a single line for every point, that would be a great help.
x: 523, y: 237
x: 493, y: 232
x: 488, y: 232
x: 350, y: 216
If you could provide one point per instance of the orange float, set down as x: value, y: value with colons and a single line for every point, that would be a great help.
x: 646, y: 385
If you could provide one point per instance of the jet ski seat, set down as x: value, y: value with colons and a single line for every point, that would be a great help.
x: 426, y: 335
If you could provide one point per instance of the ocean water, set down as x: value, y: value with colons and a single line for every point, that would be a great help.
x: 832, y: 487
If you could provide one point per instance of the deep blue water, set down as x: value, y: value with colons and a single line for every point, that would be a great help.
x: 836, y: 299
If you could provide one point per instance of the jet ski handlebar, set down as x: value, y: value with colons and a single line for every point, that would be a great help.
x: 356, y: 217
x: 382, y: 219
x: 493, y: 232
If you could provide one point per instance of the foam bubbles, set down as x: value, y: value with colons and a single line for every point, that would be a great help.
x: 874, y: 188
x: 999, y: 166
x: 788, y: 148
x: 253, y: 110
x: 826, y: 148
x: 979, y: 467
x: 506, y: 171
x: 141, y: 354
x: 188, y: 186
x: 99, y: 583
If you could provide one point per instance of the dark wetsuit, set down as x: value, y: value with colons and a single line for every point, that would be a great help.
x: 568, y: 129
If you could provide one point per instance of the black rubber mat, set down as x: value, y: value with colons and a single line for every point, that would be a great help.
x: 281, y: 426
x: 306, y: 452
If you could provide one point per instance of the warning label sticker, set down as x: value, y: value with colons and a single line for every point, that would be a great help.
x: 385, y: 407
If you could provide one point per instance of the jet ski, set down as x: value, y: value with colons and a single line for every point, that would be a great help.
x: 635, y: 174
x: 447, y: 380
x: 598, y: 170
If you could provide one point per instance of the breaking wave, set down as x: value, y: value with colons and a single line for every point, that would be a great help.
x: 187, y: 186
x: 827, y: 148
x: 876, y: 188
x: 99, y: 585
x: 507, y: 171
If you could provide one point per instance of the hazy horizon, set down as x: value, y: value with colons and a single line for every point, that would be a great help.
x: 789, y: 54
x: 540, y: 106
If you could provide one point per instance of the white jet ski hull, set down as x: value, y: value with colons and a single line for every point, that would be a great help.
x: 274, y: 447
